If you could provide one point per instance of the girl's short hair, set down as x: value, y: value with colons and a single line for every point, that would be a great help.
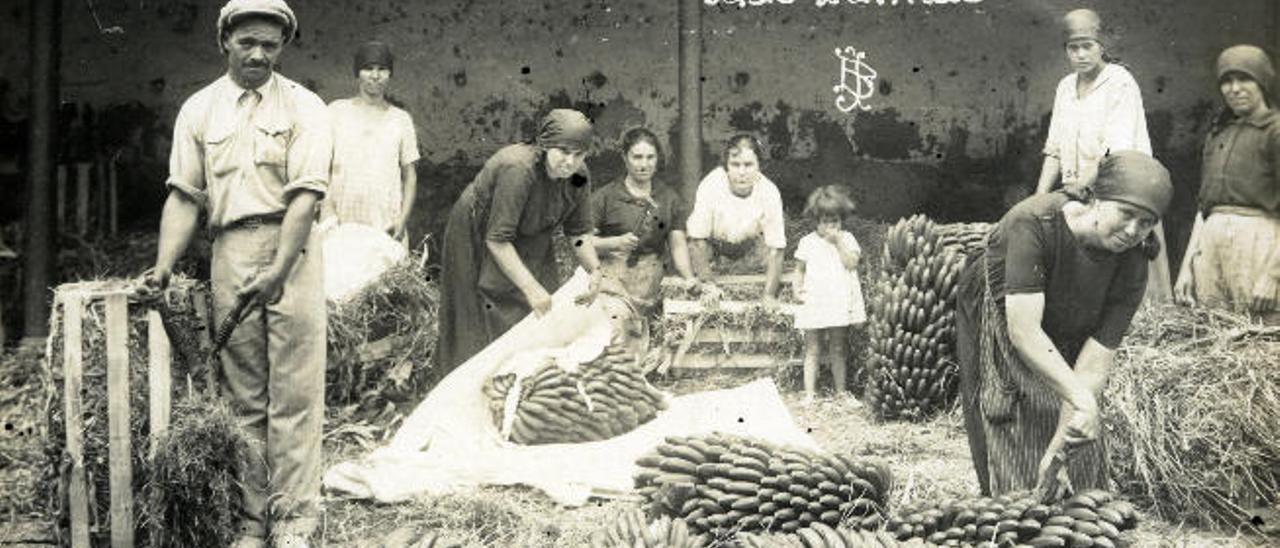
x: 829, y: 201
x: 637, y: 135
x: 739, y: 142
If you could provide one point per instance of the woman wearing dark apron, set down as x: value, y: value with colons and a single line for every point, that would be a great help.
x: 1040, y: 312
x: 499, y: 262
x: 639, y: 222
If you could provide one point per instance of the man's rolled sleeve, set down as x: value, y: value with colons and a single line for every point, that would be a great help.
x: 186, y: 159
x: 311, y: 152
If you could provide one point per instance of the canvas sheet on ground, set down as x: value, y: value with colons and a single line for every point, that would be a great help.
x: 450, y: 441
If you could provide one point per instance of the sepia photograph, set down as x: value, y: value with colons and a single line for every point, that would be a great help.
x: 639, y: 273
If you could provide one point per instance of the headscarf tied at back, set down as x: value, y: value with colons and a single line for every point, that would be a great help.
x: 565, y: 128
x: 1134, y: 178
x: 1082, y: 24
x: 373, y: 52
x: 1252, y: 61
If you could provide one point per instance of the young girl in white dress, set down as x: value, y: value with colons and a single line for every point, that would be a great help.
x: 827, y: 286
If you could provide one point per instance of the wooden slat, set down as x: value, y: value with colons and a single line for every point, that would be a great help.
x: 72, y: 370
x: 158, y: 377
x: 718, y: 335
x: 678, y: 307
x: 118, y: 421
x: 732, y: 361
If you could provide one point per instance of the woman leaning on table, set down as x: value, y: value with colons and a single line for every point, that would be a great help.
x: 1097, y: 109
x: 1040, y: 312
x: 639, y: 220
x: 1233, y: 256
x: 498, y: 260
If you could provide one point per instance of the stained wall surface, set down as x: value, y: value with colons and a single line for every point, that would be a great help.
x: 954, y: 127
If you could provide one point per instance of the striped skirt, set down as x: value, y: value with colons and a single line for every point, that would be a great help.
x: 1010, y: 413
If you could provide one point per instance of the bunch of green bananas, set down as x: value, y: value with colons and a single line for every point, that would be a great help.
x: 723, y: 484
x: 606, y: 397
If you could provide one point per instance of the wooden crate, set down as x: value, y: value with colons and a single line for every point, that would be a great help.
x: 678, y: 353
x: 74, y: 299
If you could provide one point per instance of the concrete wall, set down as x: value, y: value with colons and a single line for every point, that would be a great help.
x: 955, y: 127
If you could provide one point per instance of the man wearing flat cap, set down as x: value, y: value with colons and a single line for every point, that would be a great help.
x: 252, y: 150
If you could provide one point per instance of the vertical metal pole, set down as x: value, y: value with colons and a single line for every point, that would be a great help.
x: 46, y: 23
x: 690, y: 146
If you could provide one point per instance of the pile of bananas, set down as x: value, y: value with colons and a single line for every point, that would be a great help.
x: 723, y: 484
x: 629, y: 531
x: 912, y: 324
x: 821, y: 535
x: 966, y: 237
x: 1090, y: 518
x: 606, y: 397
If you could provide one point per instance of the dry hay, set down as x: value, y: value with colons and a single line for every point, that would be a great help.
x: 193, y: 492
x: 1193, y: 415
x: 56, y: 465
x: 399, y: 307
x: 20, y: 442
x: 754, y: 318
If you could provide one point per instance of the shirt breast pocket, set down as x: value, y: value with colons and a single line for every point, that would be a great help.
x: 270, y: 145
x: 219, y: 150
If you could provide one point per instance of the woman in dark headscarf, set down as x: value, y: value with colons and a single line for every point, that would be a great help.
x: 1040, y: 312
x: 499, y: 264
x: 1233, y: 257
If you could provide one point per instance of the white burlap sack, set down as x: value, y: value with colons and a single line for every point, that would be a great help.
x: 354, y: 256
x: 450, y: 441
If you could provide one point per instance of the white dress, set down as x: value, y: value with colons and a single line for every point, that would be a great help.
x: 370, y: 148
x: 832, y: 293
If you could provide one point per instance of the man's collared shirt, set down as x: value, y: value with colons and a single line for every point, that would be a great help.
x: 243, y: 156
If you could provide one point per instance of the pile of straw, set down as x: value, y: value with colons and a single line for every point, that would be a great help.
x: 56, y: 466
x: 401, y: 304
x: 193, y: 494
x: 1192, y: 415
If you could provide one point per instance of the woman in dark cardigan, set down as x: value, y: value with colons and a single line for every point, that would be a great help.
x: 498, y: 259
x: 1040, y: 313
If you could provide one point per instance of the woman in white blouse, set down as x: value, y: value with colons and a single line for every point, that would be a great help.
x: 1097, y: 109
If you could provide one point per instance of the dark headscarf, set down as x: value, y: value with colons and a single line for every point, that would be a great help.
x: 1250, y: 60
x: 1134, y: 178
x: 373, y: 52
x: 565, y: 128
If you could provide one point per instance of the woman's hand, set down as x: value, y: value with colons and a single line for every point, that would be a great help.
x: 593, y: 290
x: 539, y: 300
x: 1184, y: 290
x: 1264, y: 294
x: 1082, y: 421
x: 624, y: 244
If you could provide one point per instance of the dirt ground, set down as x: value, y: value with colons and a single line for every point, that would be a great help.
x: 930, y: 460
